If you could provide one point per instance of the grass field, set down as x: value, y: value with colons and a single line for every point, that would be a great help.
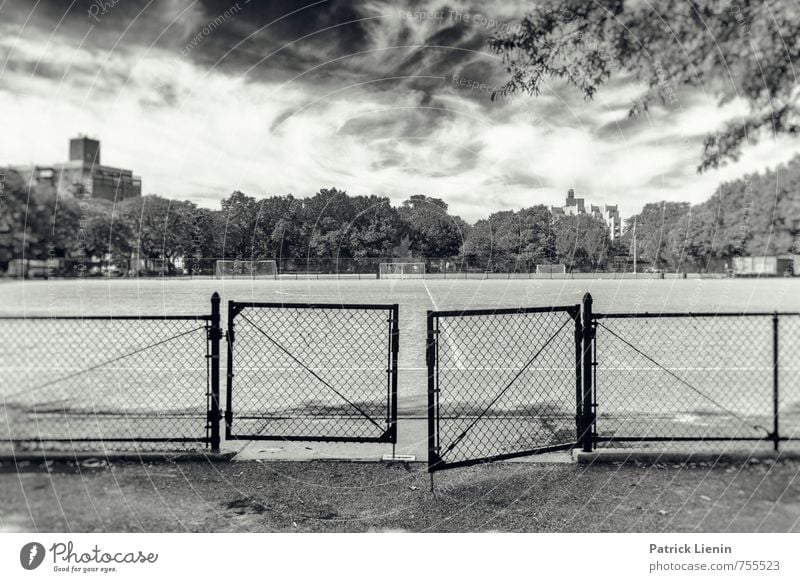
x: 415, y: 297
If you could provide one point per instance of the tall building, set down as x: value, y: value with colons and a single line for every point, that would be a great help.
x: 573, y: 205
x: 84, y: 173
x: 609, y: 213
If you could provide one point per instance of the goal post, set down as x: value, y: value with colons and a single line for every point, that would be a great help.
x: 402, y: 270
x: 241, y: 269
x: 559, y: 269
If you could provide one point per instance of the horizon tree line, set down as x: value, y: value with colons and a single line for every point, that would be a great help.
x: 757, y: 214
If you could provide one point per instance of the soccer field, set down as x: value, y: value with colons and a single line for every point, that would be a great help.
x: 415, y: 297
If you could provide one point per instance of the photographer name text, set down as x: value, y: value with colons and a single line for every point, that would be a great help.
x: 690, y: 549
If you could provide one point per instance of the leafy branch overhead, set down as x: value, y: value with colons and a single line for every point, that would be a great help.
x: 727, y: 49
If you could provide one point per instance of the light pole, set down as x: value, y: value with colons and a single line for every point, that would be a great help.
x: 634, y: 245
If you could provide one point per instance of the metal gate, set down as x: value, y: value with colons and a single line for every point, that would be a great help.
x: 312, y: 372
x: 503, y: 383
x: 675, y: 377
x: 89, y: 382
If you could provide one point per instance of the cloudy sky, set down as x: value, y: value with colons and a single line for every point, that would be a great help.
x: 272, y: 97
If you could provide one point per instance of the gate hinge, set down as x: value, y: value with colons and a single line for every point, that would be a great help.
x: 214, y: 334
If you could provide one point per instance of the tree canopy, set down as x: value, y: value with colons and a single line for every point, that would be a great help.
x: 758, y: 214
x: 725, y: 48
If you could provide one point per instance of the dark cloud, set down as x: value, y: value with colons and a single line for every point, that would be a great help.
x: 279, y: 91
x: 272, y: 40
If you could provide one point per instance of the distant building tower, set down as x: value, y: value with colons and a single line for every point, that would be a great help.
x: 83, y: 173
x: 610, y: 213
x: 575, y: 206
x: 84, y: 149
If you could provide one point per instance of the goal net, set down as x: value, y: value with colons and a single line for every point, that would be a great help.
x: 236, y: 269
x: 551, y: 269
x: 402, y: 270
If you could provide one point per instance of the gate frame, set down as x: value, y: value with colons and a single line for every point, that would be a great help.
x: 213, y: 334
x: 435, y: 462
x: 592, y: 437
x: 389, y: 435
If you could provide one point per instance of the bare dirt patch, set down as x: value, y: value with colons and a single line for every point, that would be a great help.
x: 341, y: 496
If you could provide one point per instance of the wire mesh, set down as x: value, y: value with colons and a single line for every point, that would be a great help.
x: 505, y: 383
x: 76, y: 382
x: 686, y: 377
x: 313, y: 373
x: 789, y: 376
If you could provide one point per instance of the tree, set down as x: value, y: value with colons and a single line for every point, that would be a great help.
x: 327, y: 217
x: 240, y: 214
x: 725, y: 48
x: 581, y: 241
x: 281, y: 220
x: 206, y: 232
x: 105, y: 231
x: 758, y: 214
x: 657, y: 225
x: 512, y: 240
x: 375, y: 229
x: 35, y: 223
x: 19, y: 230
x: 431, y: 230
x: 161, y: 228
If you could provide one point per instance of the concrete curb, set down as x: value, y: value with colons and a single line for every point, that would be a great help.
x: 679, y: 457
x: 110, y: 456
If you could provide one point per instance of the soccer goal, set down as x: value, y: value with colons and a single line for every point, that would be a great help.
x: 402, y: 270
x: 236, y: 269
x: 551, y: 269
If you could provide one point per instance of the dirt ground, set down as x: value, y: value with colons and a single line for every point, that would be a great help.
x: 327, y: 496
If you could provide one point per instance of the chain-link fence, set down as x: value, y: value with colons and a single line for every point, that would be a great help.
x: 312, y: 372
x: 788, y: 377
x: 682, y: 376
x: 501, y: 383
x: 508, y: 383
x: 453, y: 267
x: 102, y: 382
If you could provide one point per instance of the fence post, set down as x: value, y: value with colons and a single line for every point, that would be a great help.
x: 430, y: 360
x: 586, y: 405
x: 395, y: 326
x: 775, y: 399
x: 215, y: 335
x: 578, y: 377
x: 229, y: 374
